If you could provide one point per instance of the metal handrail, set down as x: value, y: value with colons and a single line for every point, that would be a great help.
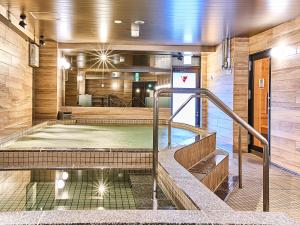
x: 202, y: 92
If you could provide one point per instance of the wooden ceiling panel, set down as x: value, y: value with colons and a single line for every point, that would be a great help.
x: 167, y: 22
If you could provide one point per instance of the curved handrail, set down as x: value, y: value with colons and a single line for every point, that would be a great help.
x: 202, y: 92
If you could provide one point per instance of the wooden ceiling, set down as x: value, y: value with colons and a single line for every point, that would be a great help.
x: 167, y: 22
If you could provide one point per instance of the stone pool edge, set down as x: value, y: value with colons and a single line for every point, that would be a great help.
x: 115, y: 217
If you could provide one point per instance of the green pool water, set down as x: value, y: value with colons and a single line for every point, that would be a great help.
x: 106, y: 136
x: 90, y: 189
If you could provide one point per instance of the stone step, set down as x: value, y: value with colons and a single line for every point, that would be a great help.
x: 212, y: 170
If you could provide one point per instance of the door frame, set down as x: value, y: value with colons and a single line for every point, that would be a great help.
x: 252, y: 58
x: 190, y: 69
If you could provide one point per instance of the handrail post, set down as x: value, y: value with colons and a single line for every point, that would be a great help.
x: 169, y: 133
x: 155, y: 149
x: 266, y: 178
x: 240, y: 158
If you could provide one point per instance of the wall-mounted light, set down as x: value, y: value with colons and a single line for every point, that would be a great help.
x: 277, y: 51
x: 122, y: 59
x: 22, y: 22
x: 42, y: 41
x: 79, y: 78
x: 115, y: 86
x: 64, y: 64
x: 283, y: 51
x: 137, y: 90
x: 179, y: 56
x: 118, y: 21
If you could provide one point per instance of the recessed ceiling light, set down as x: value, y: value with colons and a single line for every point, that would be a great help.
x: 118, y: 21
x: 139, y: 22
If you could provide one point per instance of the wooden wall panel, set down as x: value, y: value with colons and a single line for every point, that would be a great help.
x: 15, y: 80
x: 285, y: 99
x: 190, y: 155
x: 120, y: 88
x: 45, y: 84
x: 220, y: 82
x: 161, y: 79
x: 231, y: 86
x: 60, y: 86
x: 240, y: 71
x: 116, y: 113
x: 71, y: 88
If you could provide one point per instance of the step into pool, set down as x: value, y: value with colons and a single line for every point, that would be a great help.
x: 90, y: 189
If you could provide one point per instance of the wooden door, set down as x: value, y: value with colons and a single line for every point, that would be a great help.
x: 261, y: 71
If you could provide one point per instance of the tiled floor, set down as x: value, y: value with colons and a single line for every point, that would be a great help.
x: 284, y: 188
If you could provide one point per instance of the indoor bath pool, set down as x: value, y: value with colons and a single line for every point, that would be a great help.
x: 101, y: 189
x: 101, y: 136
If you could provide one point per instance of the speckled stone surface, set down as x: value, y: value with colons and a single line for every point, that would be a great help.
x: 20, y: 218
x: 249, y: 218
x: 198, y: 192
x: 144, y: 217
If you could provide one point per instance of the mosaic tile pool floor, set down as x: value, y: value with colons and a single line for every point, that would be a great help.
x: 77, y: 190
x: 105, y: 136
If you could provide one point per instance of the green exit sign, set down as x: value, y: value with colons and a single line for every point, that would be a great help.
x: 137, y: 77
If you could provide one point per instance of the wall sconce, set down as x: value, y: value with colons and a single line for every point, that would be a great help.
x: 283, y: 51
x: 79, y: 78
x: 115, y: 86
x: 22, y: 22
x: 42, y: 41
x: 64, y: 64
